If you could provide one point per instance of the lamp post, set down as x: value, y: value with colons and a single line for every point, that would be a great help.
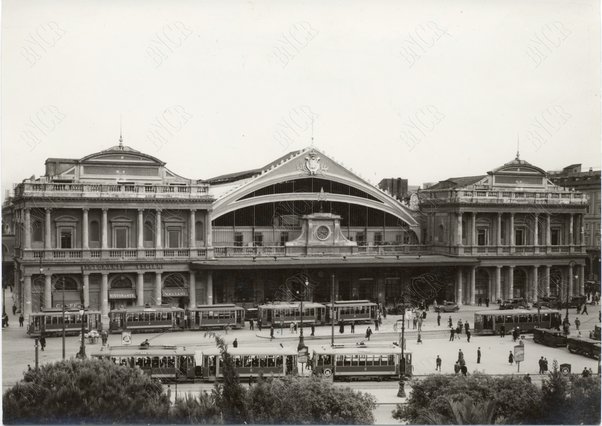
x: 82, y: 348
x: 568, y: 286
x: 301, y: 344
x: 332, y: 312
x: 401, y: 393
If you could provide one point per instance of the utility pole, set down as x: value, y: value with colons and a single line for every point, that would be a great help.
x: 332, y: 312
x: 63, y: 279
x: 401, y: 393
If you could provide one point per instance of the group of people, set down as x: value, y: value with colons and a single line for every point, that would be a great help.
x: 454, y: 332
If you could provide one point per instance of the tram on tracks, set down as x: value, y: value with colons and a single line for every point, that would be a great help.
x: 49, y: 322
x: 348, y: 311
x: 577, y: 345
x: 361, y: 362
x: 215, y: 316
x: 281, y: 314
x: 490, y: 322
x: 165, y: 363
x: 250, y: 362
x: 144, y: 319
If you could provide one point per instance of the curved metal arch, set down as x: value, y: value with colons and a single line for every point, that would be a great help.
x: 175, y: 279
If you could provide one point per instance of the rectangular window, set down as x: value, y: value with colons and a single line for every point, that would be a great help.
x: 378, y: 238
x: 238, y: 239
x: 283, y: 238
x: 173, y: 238
x: 482, y: 237
x: 555, y: 237
x: 360, y: 238
x: 66, y: 239
x: 519, y: 237
x: 121, y: 237
x: 258, y: 239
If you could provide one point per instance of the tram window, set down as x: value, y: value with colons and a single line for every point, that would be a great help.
x: 327, y: 359
x: 508, y: 319
x: 340, y: 360
x: 362, y: 360
x: 270, y: 361
x: 255, y: 361
x: 545, y: 317
x: 347, y: 360
x: 279, y: 361
x: 391, y: 360
x: 263, y: 362
x: 522, y: 318
x: 238, y: 361
x: 155, y: 362
x: 529, y: 318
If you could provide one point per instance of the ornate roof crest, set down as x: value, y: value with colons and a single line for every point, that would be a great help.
x: 312, y: 165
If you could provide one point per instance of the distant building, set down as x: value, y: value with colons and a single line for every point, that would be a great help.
x: 397, y: 187
x: 587, y: 182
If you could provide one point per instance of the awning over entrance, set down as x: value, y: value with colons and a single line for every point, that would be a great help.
x: 174, y: 292
x: 122, y: 294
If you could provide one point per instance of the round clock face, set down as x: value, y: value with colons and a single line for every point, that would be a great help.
x: 322, y: 232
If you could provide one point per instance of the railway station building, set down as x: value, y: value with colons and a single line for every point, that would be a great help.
x: 118, y: 228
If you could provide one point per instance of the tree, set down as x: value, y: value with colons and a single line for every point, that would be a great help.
x: 88, y: 391
x: 202, y: 409
x: 516, y: 401
x: 308, y: 400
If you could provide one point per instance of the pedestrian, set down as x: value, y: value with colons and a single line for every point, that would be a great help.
x: 259, y: 324
x: 464, y: 370
x: 502, y: 331
x: 420, y: 324
x: 352, y: 327
x: 487, y: 302
x: 540, y: 362
x: 585, y: 373
x: 457, y: 367
x: 5, y: 320
x: 584, y: 311
x: 414, y: 321
x: 480, y: 301
x: 21, y: 320
x: 368, y: 333
x: 468, y: 334
x: 313, y: 329
x: 527, y: 378
x: 438, y: 318
x: 28, y: 367
x: 578, y: 308
x: 251, y: 325
x: 438, y: 364
x: 545, y: 365
x: 376, y: 325
x: 458, y: 332
x: 104, y: 337
x: 460, y: 326
x: 479, y: 355
x: 449, y: 322
x: 43, y: 342
x: 235, y: 343
x: 341, y: 327
x: 510, y: 358
x: 380, y: 320
x: 295, y: 327
x: 419, y: 338
x: 577, y: 323
x: 14, y: 309
x: 467, y: 326
x: 169, y: 393
x: 271, y: 332
x: 452, y: 332
x: 460, y: 356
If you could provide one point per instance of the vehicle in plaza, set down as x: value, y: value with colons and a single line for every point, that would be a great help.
x: 348, y: 311
x: 165, y: 363
x: 250, y: 362
x: 361, y: 362
x: 516, y: 303
x: 490, y: 322
x: 447, y: 307
x: 595, y: 333
x: 550, y: 302
x: 144, y: 319
x: 575, y: 301
x: 549, y: 337
x: 281, y: 314
x: 49, y: 322
x: 584, y: 346
x: 215, y: 316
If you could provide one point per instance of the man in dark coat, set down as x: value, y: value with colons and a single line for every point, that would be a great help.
x: 479, y: 355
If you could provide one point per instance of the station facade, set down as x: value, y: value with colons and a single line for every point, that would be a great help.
x: 117, y: 228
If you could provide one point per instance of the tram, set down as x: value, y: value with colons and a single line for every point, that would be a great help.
x: 166, y: 363
x: 142, y: 319
x: 250, y: 362
x: 584, y: 346
x: 549, y: 337
x: 361, y: 362
x: 215, y: 316
x: 348, y: 311
x: 49, y: 322
x: 280, y: 314
x: 490, y: 322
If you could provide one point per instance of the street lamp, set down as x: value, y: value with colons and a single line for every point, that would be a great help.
x: 301, y: 344
x: 401, y: 393
x: 82, y: 348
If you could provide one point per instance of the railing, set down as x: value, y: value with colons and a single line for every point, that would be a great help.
x: 529, y: 250
x: 245, y: 251
x: 505, y: 197
x: 95, y: 190
x: 98, y: 254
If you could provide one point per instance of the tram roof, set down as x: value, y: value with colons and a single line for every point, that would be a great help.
x: 148, y: 309
x: 135, y: 350
x: 517, y: 311
x: 360, y: 350
x: 285, y: 305
x: 584, y: 339
x: 252, y: 350
x: 60, y: 312
x: 228, y: 306
x: 352, y: 303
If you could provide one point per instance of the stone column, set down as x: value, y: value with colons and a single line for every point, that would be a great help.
x: 48, y: 291
x: 498, y: 239
x: 140, y: 229
x: 536, y: 229
x: 570, y: 281
x: 140, y: 289
x: 473, y: 229
x: 581, y: 280
x: 208, y: 231
x: 86, y: 287
x: 498, y: 282
x: 459, y: 229
x: 511, y: 226
x: 510, y: 282
x: 473, y: 278
x: 459, y: 286
x: 548, y: 230
x: 158, y: 243
x: 581, y: 231
x: 192, y: 290
x: 158, y: 288
x: 27, y: 242
x: 26, y: 297
x: 535, y: 285
x: 48, y: 230
x: 571, y: 234
x: 85, y: 232
x: 104, y: 300
x: 192, y: 239
x: 105, y: 229
x: 547, y: 280
x: 209, y: 288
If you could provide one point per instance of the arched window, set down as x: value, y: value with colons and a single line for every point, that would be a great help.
x: 38, y: 230
x: 68, y: 282
x: 149, y: 233
x: 94, y: 231
x: 121, y: 282
x: 174, y: 280
x: 198, y: 230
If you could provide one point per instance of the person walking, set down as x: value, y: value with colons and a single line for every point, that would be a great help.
x: 479, y: 355
x: 467, y: 326
x: 14, y: 310
x: 376, y: 325
x: 419, y: 338
x: 577, y: 323
x: 438, y: 319
x: 452, y: 332
x: 420, y: 324
x: 480, y: 302
x: 584, y: 311
x: 449, y: 322
x: 460, y: 356
x: 511, y: 358
x: 251, y: 325
x: 43, y: 342
x: 487, y: 302
x: 353, y: 327
x: 21, y: 320
x: 502, y: 331
x: 271, y: 332
x: 368, y: 333
x: 295, y: 327
x: 438, y: 364
x: 414, y: 322
x: 169, y: 394
x: 259, y: 324
x: 468, y: 334
x: 313, y: 329
x: 464, y: 370
x: 456, y: 367
x: 545, y: 365
x: 459, y: 331
x: 235, y: 343
x: 341, y: 327
x: 104, y: 337
x: 540, y: 362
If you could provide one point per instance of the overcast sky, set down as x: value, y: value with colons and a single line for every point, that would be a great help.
x: 423, y: 90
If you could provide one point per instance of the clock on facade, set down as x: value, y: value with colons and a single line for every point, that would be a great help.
x: 322, y: 232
